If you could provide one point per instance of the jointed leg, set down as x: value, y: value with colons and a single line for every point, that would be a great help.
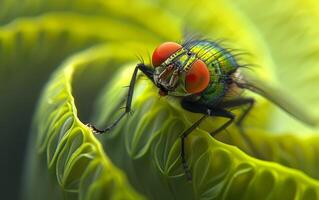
x: 149, y: 73
x: 240, y: 102
x: 211, y: 111
x: 225, y: 114
x: 200, y: 108
x: 183, y: 136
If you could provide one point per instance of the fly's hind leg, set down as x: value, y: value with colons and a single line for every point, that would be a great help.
x: 249, y: 102
x: 149, y: 73
x: 236, y: 103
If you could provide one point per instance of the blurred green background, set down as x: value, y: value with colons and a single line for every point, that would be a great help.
x: 38, y: 38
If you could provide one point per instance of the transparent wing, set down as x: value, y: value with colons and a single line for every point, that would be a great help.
x: 278, y: 97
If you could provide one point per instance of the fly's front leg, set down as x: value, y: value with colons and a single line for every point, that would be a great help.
x: 149, y: 73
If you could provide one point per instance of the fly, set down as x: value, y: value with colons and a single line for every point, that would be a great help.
x: 202, y: 73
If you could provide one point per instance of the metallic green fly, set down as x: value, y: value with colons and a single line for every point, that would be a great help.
x: 202, y: 73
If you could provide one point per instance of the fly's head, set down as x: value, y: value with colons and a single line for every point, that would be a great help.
x: 178, y: 72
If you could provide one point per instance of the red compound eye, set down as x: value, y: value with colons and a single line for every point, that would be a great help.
x: 197, y: 78
x: 164, y: 51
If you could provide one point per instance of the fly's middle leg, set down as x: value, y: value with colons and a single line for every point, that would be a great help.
x: 201, y: 108
x: 183, y: 137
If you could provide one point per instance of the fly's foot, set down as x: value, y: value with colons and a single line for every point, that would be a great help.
x: 94, y: 129
x: 130, y: 112
x: 188, y: 173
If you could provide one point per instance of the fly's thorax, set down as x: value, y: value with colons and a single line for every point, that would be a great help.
x: 214, y: 55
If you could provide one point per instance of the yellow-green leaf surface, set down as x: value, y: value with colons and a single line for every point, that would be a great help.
x: 83, y: 53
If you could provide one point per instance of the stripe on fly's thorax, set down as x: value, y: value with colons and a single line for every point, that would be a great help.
x: 220, y: 63
x: 214, y: 56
